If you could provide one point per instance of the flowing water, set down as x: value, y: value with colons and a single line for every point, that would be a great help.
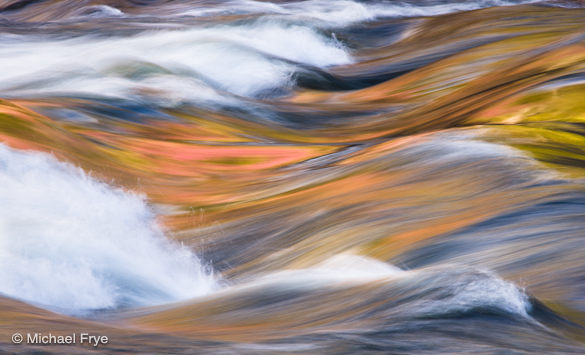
x: 293, y: 177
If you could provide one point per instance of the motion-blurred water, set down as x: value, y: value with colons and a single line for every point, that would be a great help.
x: 328, y: 177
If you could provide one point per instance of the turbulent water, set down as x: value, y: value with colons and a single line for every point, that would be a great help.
x: 73, y: 244
x: 293, y: 177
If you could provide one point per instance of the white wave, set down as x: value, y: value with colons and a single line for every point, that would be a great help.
x: 340, y: 12
x: 198, y: 64
x: 449, y: 289
x: 345, y: 12
x: 339, y: 269
x: 70, y: 243
x: 99, y: 11
x: 485, y: 290
x: 440, y: 290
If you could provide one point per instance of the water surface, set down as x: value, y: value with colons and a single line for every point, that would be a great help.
x: 277, y: 177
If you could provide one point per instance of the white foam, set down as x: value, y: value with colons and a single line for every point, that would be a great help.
x: 177, y: 65
x: 482, y: 289
x: 71, y: 243
x: 100, y: 11
x: 489, y: 291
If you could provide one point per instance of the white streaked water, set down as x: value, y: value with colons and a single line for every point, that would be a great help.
x: 203, y: 64
x: 441, y: 290
x: 168, y: 67
x: 345, y: 12
x: 72, y: 244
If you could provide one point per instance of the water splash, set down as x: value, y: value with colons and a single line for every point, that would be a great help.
x: 72, y: 244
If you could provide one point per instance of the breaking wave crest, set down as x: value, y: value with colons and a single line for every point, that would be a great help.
x: 71, y: 243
